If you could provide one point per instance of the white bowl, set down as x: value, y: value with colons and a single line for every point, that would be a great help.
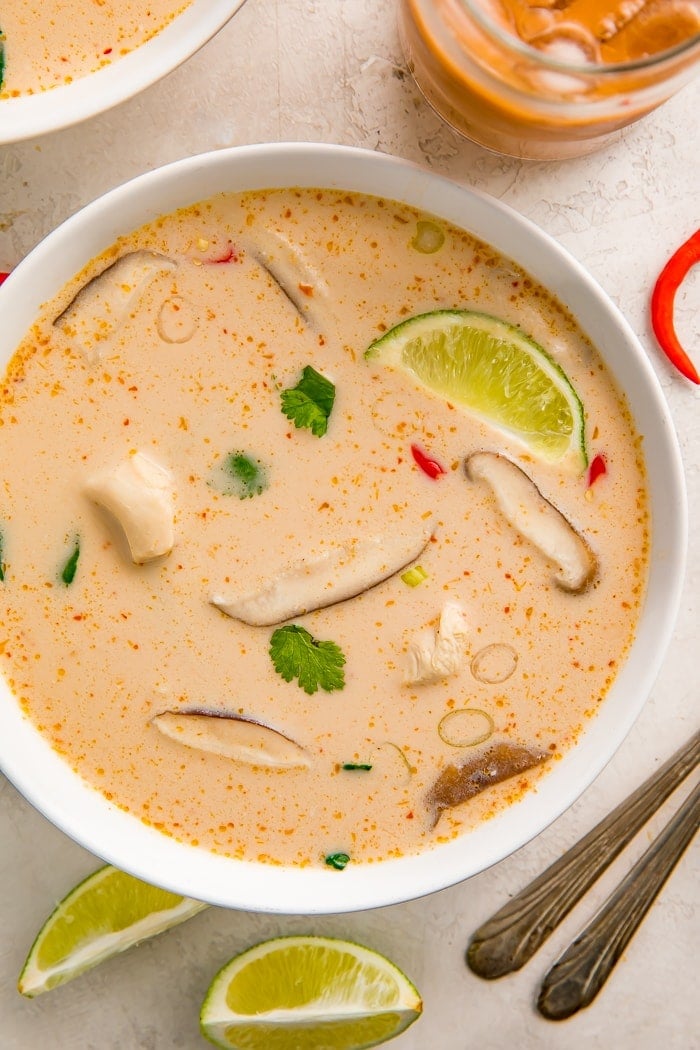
x: 60, y: 107
x: 84, y: 814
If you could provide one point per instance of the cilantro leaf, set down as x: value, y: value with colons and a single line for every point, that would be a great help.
x: 247, y: 475
x: 69, y: 569
x: 296, y: 654
x: 310, y: 402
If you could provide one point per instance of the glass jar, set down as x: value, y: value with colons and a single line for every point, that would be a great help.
x: 526, y: 78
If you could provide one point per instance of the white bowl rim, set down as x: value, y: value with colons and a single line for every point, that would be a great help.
x: 62, y: 106
x: 79, y: 810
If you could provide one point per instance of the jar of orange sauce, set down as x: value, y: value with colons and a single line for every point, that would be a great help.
x: 547, y: 79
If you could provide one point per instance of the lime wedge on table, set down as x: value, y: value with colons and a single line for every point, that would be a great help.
x: 495, y: 371
x: 308, y: 993
x: 107, y: 913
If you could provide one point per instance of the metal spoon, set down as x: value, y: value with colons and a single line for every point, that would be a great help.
x: 577, y: 977
x: 506, y: 941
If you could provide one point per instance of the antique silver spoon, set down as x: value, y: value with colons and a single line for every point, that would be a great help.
x: 512, y: 936
x: 578, y: 975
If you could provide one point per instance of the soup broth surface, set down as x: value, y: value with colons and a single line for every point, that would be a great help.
x: 254, y: 289
x: 54, y: 42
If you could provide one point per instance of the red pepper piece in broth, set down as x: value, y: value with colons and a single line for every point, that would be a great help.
x: 597, y: 468
x: 662, y: 299
x: 427, y: 464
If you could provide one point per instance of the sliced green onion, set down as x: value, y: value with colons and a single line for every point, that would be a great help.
x: 2, y: 562
x: 494, y: 663
x: 414, y: 575
x: 466, y: 727
x: 402, y: 755
x: 70, y: 568
x: 337, y: 860
x: 357, y: 765
x: 429, y: 237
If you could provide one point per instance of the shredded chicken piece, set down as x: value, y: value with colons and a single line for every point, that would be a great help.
x: 440, y: 653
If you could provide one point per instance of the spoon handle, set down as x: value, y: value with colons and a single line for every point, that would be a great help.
x: 512, y: 936
x: 577, y: 977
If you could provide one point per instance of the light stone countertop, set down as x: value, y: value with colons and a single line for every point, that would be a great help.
x: 333, y: 72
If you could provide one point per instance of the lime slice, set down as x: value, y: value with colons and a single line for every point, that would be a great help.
x: 107, y: 913
x: 309, y: 993
x: 496, y: 372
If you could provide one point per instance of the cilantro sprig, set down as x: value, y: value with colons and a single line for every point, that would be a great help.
x: 310, y: 403
x: 316, y: 665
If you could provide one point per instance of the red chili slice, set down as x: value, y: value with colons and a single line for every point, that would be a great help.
x: 662, y: 299
x: 3, y: 277
x: 427, y: 464
x: 597, y: 468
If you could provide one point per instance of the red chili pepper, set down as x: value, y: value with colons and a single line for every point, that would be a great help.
x: 429, y: 466
x: 228, y: 254
x: 662, y: 298
x: 3, y: 277
x: 597, y: 468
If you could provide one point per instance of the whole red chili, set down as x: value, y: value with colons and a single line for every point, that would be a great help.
x: 662, y: 299
x: 427, y: 464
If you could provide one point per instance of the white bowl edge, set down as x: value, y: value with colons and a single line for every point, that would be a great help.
x: 62, y: 106
x: 46, y: 780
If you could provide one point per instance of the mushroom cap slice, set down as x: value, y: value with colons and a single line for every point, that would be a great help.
x: 459, y: 783
x: 535, y: 518
x: 103, y: 303
x: 338, y: 574
x: 139, y: 493
x: 232, y: 737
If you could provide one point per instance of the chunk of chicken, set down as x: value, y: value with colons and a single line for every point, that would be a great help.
x: 440, y: 653
x: 139, y: 493
x: 338, y: 574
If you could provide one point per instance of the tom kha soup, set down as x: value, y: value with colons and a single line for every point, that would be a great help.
x: 324, y: 528
x: 47, y: 43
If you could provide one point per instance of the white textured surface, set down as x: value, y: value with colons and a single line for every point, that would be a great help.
x: 313, y: 70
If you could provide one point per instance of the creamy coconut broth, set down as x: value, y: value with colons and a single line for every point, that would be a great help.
x: 53, y: 42
x: 105, y: 654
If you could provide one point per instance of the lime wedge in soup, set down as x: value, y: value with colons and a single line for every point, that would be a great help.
x: 495, y: 371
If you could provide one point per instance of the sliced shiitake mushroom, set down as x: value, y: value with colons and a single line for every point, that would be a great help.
x: 459, y: 782
x: 103, y: 303
x: 535, y: 518
x: 336, y: 575
x: 231, y: 736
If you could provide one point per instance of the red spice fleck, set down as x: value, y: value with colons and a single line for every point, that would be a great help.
x: 409, y: 815
x: 107, y: 51
x: 125, y: 423
x: 306, y: 289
